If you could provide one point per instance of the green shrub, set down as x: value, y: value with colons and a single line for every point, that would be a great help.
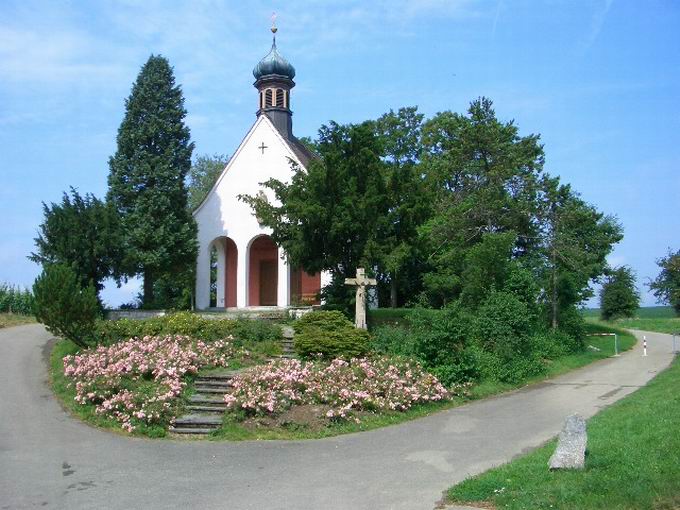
x: 503, y: 324
x: 330, y: 335
x: 573, y: 325
x: 463, y: 369
x: 492, y: 366
x: 328, y: 320
x: 437, y: 338
x: 440, y: 336
x: 256, y: 330
x: 393, y: 340
x: 190, y: 324
x: 63, y: 306
x: 549, y: 344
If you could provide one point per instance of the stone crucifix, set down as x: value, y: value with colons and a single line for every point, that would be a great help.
x: 360, y: 282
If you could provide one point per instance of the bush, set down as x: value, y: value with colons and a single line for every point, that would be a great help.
x: 63, y: 306
x: 439, y: 336
x: 549, y: 344
x: 189, y: 324
x: 15, y: 300
x: 502, y: 325
x: 398, y: 341
x: 461, y: 370
x: 573, y: 326
x: 492, y: 366
x: 330, y: 335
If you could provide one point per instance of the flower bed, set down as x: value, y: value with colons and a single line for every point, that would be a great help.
x: 378, y: 384
x: 137, y: 381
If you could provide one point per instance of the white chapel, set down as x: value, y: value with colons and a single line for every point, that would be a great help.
x: 251, y: 270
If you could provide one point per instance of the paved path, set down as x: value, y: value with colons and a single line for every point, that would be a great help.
x: 50, y: 460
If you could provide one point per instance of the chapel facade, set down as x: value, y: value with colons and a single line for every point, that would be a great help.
x: 238, y: 263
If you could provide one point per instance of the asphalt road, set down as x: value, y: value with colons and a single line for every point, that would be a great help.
x: 50, y: 460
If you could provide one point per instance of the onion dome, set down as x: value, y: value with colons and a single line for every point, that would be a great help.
x: 274, y: 63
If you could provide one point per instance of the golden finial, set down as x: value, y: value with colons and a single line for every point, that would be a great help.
x: 274, y: 29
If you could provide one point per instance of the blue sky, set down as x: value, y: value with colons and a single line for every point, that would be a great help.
x: 599, y: 80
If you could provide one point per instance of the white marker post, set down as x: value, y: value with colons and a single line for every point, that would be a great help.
x: 616, y: 345
x: 644, y: 345
x: 675, y: 351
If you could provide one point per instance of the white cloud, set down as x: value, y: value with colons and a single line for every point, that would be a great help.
x: 596, y: 24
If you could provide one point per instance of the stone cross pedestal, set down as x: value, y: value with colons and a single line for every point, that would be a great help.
x: 361, y: 282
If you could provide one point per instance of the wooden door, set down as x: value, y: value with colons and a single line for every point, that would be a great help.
x: 269, y: 275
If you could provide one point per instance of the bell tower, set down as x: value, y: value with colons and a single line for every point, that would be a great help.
x: 273, y: 81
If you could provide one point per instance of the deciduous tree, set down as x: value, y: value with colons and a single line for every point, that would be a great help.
x: 202, y: 176
x: 666, y: 286
x: 618, y: 296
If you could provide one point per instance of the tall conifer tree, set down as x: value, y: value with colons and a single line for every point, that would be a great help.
x: 146, y: 179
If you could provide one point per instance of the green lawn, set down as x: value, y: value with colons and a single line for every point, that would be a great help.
x: 652, y: 318
x: 13, y: 319
x: 647, y: 312
x: 633, y: 461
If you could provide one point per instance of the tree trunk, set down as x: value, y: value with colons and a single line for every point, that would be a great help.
x: 148, y: 287
x: 393, y: 292
x: 554, y: 289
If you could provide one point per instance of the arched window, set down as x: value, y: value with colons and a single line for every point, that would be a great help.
x: 287, y: 99
x: 261, y: 99
x: 268, y: 100
x: 279, y: 98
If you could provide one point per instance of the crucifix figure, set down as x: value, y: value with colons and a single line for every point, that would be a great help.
x: 360, y: 282
x: 263, y: 147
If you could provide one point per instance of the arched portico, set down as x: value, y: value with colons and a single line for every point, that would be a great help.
x: 263, y: 272
x: 223, y: 272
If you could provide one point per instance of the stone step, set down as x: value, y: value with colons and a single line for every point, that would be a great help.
x: 218, y: 376
x: 209, y: 399
x: 195, y: 420
x: 213, y: 390
x: 207, y: 408
x: 214, y: 384
x: 201, y: 432
x: 287, y: 332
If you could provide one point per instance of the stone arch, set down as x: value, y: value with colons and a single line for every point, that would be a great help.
x: 263, y: 271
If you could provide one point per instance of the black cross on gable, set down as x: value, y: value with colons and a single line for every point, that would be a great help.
x: 263, y: 147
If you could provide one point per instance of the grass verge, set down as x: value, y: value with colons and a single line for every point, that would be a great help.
x: 662, y: 325
x: 13, y: 319
x: 632, y: 462
x: 651, y: 318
